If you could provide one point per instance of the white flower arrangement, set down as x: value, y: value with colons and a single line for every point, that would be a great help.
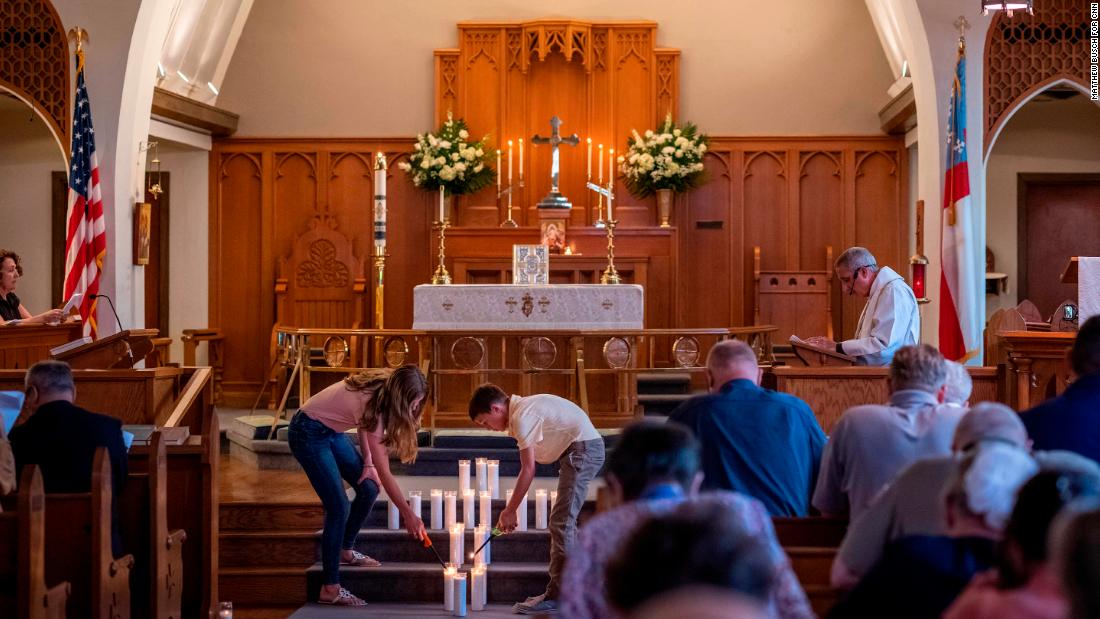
x: 449, y: 160
x: 670, y: 158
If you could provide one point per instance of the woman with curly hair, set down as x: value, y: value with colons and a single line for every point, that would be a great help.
x: 11, y: 308
x: 385, y: 407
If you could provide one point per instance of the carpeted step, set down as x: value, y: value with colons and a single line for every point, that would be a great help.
x: 664, y: 383
x: 662, y: 404
x: 423, y: 582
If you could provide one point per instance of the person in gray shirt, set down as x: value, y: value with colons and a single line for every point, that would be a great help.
x: 912, y: 506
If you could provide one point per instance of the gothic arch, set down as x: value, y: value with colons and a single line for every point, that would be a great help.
x: 34, y: 62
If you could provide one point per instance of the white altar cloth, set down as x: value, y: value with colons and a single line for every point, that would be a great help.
x: 491, y: 307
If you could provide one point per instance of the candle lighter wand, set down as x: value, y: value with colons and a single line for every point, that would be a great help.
x: 492, y: 534
x: 428, y: 544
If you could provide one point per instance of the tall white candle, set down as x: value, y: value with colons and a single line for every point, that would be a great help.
x: 477, y: 588
x: 486, y: 533
x: 448, y: 587
x: 380, y: 204
x: 482, y: 474
x: 441, y: 190
x: 416, y: 501
x: 498, y: 171
x: 458, y: 537
x: 521, y: 514
x: 486, y: 508
x: 479, y: 537
x: 468, y: 508
x: 521, y: 159
x: 450, y: 516
x: 463, y: 475
x: 437, y: 509
x: 599, y: 168
x: 611, y: 169
x: 588, y: 175
x: 394, y: 520
x: 494, y: 478
x: 459, y: 583
x: 540, y: 509
x: 509, y: 162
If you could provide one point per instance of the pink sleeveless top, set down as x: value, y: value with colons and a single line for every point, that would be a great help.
x: 338, y: 407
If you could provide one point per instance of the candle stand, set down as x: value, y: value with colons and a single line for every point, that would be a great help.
x: 509, y: 223
x: 441, y: 277
x: 610, y: 274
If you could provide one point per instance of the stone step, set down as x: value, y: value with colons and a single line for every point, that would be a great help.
x: 420, y: 582
x: 302, y: 549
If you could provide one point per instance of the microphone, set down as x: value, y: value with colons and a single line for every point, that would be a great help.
x: 112, y: 304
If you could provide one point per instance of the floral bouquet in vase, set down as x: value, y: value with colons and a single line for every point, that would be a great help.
x: 449, y: 161
x: 663, y: 162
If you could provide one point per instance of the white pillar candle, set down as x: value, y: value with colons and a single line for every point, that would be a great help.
x: 553, y: 499
x: 477, y: 588
x: 482, y: 474
x: 611, y: 170
x: 459, y: 584
x: 521, y: 514
x: 437, y: 508
x: 509, y: 162
x: 380, y: 204
x: 394, y: 520
x: 521, y: 159
x: 494, y: 478
x: 486, y: 508
x: 448, y: 587
x: 450, y: 501
x: 441, y: 193
x: 416, y: 502
x: 463, y: 475
x: 540, y: 509
x: 479, y: 536
x: 458, y: 537
x: 599, y: 168
x: 588, y: 175
x: 486, y: 553
x: 468, y: 508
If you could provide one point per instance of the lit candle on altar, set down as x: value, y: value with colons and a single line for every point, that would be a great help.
x: 458, y: 537
x: 380, y: 204
x: 588, y: 176
x: 463, y: 475
x: 441, y: 190
x: 494, y: 478
x: 437, y: 509
x: 477, y: 588
x: 448, y: 587
x: 509, y: 162
x: 394, y: 520
x: 459, y: 585
x: 482, y: 474
x: 599, y: 168
x: 540, y: 509
x: 486, y: 508
x: 450, y: 501
x: 521, y: 160
x: 498, y: 170
x: 468, y: 508
x: 416, y: 500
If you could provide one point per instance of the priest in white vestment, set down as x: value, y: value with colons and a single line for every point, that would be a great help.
x: 890, y: 319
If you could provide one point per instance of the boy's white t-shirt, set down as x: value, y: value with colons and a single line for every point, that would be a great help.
x: 548, y: 423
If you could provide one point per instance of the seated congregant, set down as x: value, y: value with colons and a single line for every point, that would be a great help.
x: 890, y: 318
x: 62, y: 438
x: 911, y: 505
x: 957, y: 385
x: 755, y: 441
x: 653, y: 470
x: 1023, y: 585
x: 11, y: 308
x: 1070, y: 421
x: 872, y: 443
x: 920, y: 576
x: 1076, y: 554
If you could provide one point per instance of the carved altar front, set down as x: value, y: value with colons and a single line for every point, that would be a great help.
x: 530, y: 308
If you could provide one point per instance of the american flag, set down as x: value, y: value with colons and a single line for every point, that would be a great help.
x: 85, y: 238
x: 959, y: 326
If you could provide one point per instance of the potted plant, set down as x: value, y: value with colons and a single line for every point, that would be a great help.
x: 663, y: 162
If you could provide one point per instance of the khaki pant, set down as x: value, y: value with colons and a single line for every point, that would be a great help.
x: 579, y: 465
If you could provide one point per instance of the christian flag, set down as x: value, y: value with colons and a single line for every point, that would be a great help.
x: 959, y: 330
x: 85, y: 238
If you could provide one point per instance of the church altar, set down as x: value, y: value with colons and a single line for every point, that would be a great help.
x: 505, y: 307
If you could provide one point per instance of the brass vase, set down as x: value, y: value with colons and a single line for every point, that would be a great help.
x: 664, y: 207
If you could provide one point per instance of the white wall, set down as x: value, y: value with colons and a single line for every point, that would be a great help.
x: 28, y: 154
x: 1045, y: 137
x: 354, y: 68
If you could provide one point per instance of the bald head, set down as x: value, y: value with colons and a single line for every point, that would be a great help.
x: 730, y: 360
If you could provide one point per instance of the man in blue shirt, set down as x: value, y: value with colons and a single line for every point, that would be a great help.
x: 755, y: 441
x: 1071, y: 421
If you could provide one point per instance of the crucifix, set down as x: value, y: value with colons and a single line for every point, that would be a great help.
x: 555, y: 199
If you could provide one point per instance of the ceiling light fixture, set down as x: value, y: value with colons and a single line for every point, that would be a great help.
x: 1007, y: 7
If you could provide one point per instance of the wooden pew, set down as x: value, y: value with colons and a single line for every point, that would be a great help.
x: 78, y: 544
x: 811, y: 545
x: 155, y: 585
x: 23, y: 590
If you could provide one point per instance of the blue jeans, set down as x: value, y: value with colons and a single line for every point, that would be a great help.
x: 329, y: 459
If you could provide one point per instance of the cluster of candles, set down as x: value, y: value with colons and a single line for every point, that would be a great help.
x: 499, y: 175
x: 444, y: 516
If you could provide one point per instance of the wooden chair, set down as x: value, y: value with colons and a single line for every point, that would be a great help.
x: 156, y: 585
x: 23, y: 590
x: 214, y: 355
x: 798, y: 302
x: 78, y: 544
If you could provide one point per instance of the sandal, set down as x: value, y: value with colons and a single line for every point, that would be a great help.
x: 359, y: 559
x: 343, y: 598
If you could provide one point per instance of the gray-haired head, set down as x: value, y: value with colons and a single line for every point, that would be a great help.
x: 985, y: 484
x: 989, y: 421
x: 856, y: 257
x: 917, y: 367
x: 50, y: 377
x: 959, y: 384
x: 729, y: 360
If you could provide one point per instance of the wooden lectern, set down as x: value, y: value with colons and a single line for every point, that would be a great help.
x: 114, y: 352
x: 814, y: 357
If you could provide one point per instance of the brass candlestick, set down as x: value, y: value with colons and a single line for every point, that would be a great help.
x: 441, y: 277
x: 610, y: 275
x: 509, y: 223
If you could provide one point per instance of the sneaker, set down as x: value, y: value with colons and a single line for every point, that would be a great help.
x: 545, y: 607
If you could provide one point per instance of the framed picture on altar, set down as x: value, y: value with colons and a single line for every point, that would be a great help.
x: 530, y: 264
x: 553, y: 235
